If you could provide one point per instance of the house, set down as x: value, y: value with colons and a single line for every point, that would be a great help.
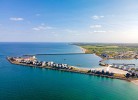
x: 104, y: 55
x: 43, y: 63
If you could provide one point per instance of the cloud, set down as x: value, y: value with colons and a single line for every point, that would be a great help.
x: 16, y: 19
x: 95, y: 17
x: 42, y: 27
x: 95, y: 26
x: 36, y: 28
x: 70, y: 31
x: 99, y: 31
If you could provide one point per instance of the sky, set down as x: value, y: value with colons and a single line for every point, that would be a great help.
x: 104, y: 21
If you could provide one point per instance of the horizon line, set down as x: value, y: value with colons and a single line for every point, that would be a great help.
x: 65, y: 42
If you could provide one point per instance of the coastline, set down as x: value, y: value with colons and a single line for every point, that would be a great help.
x: 83, y: 49
x: 134, y: 81
x: 118, y: 74
x: 87, y: 51
x: 74, y: 69
x: 114, y: 70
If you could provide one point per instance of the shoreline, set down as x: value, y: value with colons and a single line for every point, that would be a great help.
x: 87, y: 51
x: 73, y: 69
x: 119, y: 74
x: 83, y: 49
x: 134, y: 81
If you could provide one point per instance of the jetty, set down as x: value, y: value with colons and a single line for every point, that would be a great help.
x: 31, y: 61
x: 56, y: 54
x: 124, y: 64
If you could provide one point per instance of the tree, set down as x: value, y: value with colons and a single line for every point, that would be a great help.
x: 89, y: 71
x: 127, y: 75
x: 133, y: 74
x: 103, y: 72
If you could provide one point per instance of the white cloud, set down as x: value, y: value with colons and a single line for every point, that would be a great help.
x: 70, y: 31
x: 42, y: 27
x: 16, y: 19
x: 36, y: 28
x: 99, y: 31
x: 95, y: 26
x: 95, y: 17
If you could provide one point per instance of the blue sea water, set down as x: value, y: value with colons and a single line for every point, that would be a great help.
x: 26, y: 83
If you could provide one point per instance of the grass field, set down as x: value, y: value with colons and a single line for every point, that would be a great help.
x: 110, y: 49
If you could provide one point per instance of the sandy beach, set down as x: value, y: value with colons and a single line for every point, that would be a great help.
x: 110, y: 69
x: 83, y: 49
x: 135, y: 82
x: 114, y: 70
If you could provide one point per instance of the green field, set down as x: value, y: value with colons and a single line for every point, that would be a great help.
x: 109, y: 49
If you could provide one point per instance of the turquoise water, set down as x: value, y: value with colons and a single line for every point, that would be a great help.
x: 25, y: 83
x: 87, y: 61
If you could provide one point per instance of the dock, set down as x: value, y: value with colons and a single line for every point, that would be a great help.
x: 124, y: 64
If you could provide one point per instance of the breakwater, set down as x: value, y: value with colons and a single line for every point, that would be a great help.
x: 56, y: 54
x: 67, y: 68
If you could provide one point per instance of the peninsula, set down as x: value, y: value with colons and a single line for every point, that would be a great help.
x: 32, y: 61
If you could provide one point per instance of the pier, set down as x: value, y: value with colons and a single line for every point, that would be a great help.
x: 118, y: 64
x: 56, y: 54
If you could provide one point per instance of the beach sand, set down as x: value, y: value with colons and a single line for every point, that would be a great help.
x: 110, y: 69
x: 135, y: 82
x: 114, y: 70
x: 83, y: 49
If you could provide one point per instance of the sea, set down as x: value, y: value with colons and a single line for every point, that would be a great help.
x: 26, y: 83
